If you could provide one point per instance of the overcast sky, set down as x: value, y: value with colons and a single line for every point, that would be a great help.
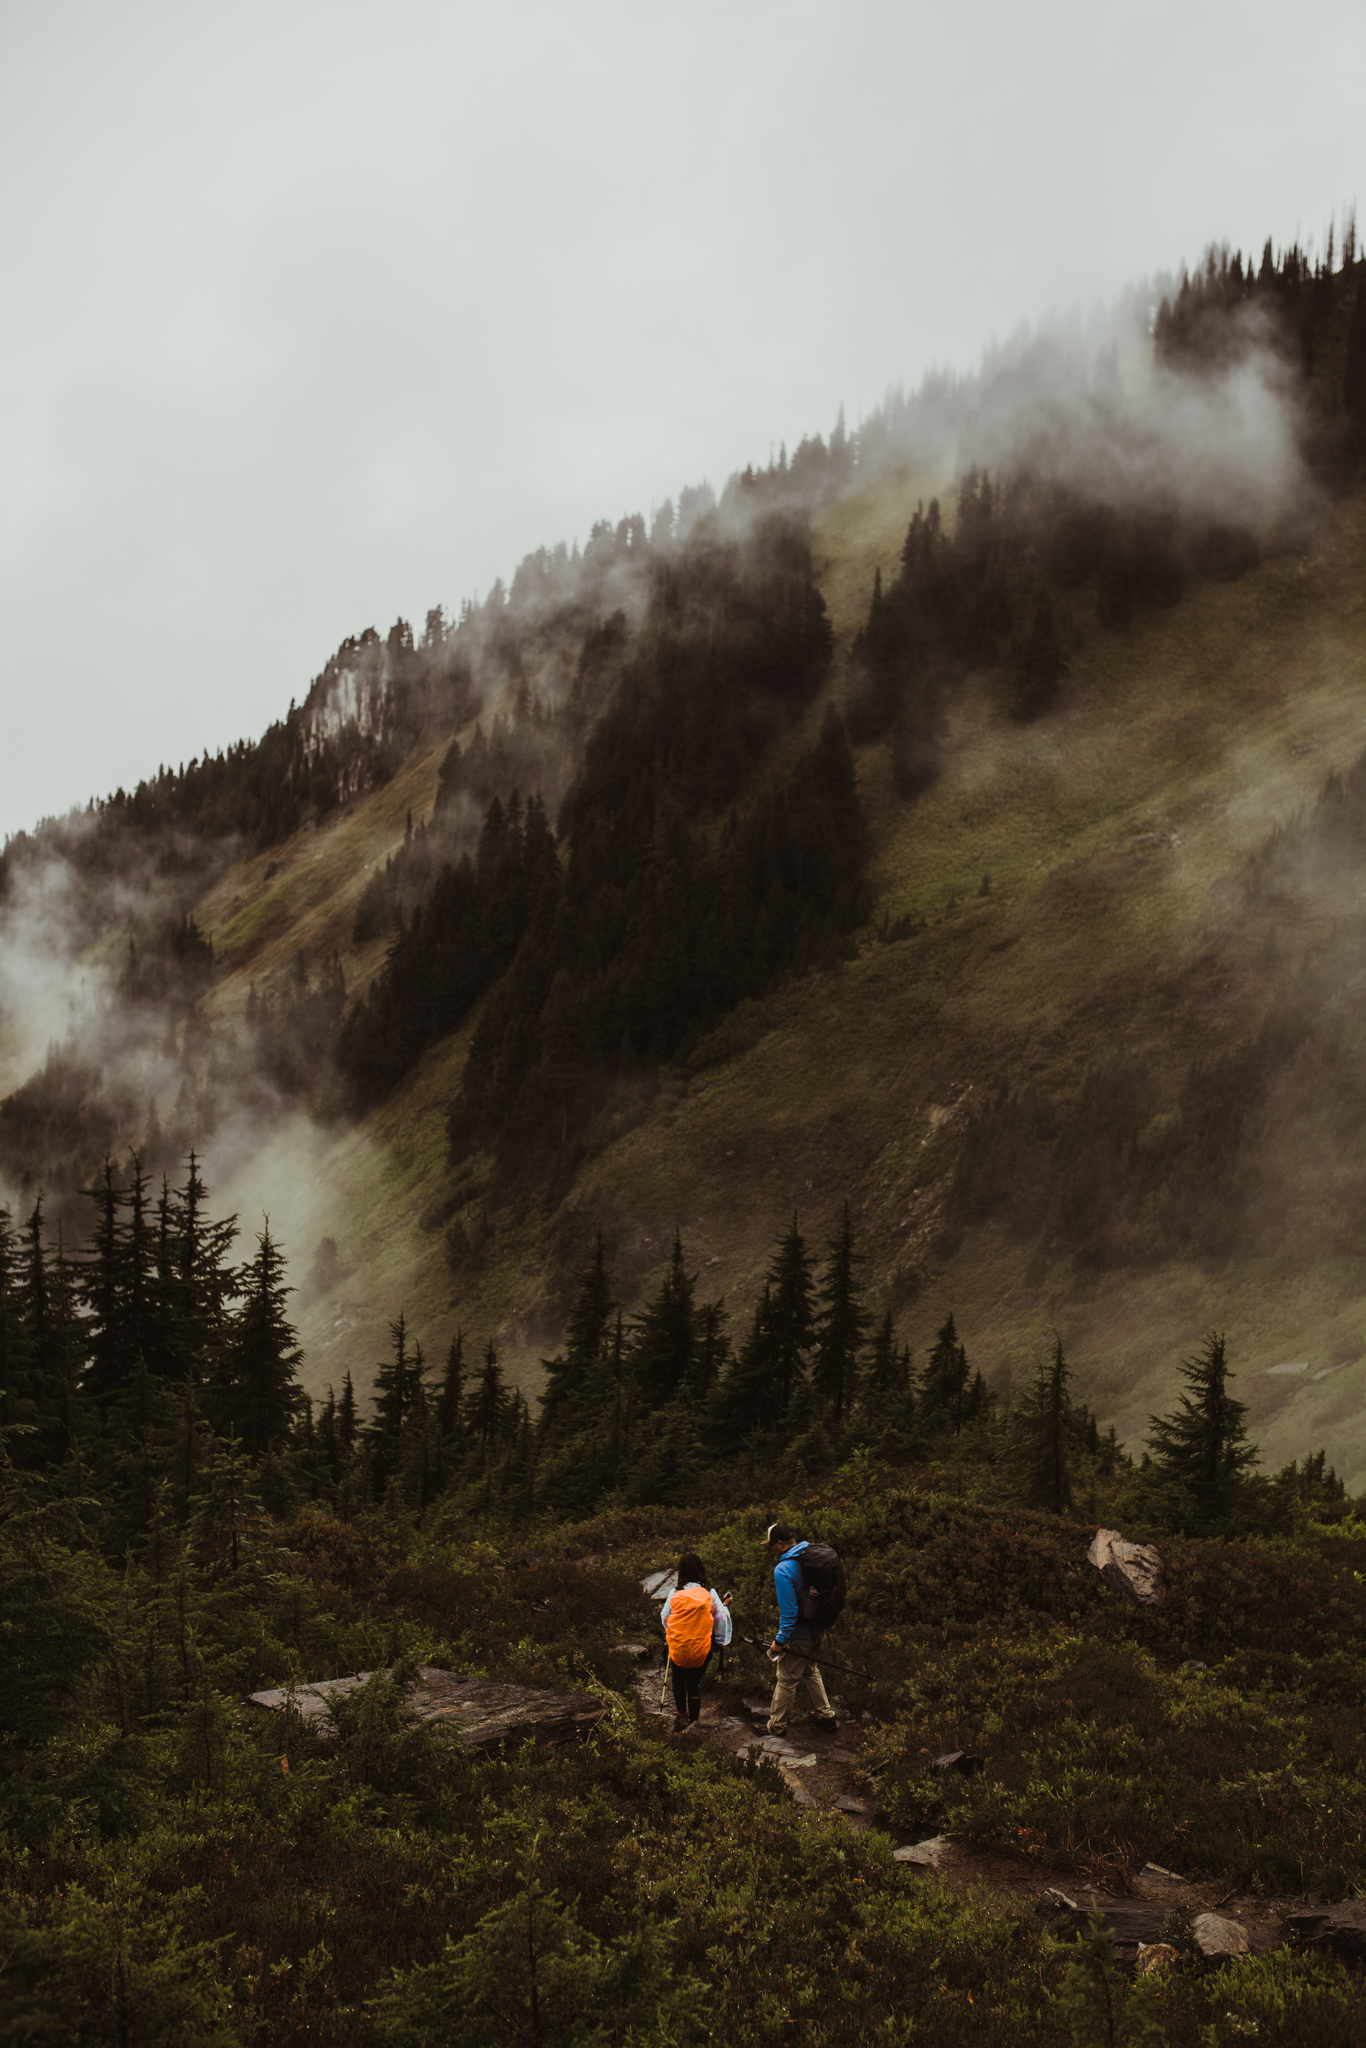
x: 319, y: 314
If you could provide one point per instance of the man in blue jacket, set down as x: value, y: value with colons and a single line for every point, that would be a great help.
x: 794, y: 1645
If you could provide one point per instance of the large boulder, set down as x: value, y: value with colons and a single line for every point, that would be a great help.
x: 1133, y: 1569
x: 1217, y: 1938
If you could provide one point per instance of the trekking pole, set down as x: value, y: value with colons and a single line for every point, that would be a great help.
x: 664, y: 1687
x: 814, y: 1659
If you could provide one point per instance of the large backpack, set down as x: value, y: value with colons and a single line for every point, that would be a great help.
x: 822, y: 1596
x: 688, y: 1628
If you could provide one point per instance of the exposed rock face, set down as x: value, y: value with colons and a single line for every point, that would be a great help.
x: 1336, y: 1930
x: 475, y: 1709
x: 1134, y: 1569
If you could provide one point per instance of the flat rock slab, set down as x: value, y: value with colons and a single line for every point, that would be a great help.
x: 783, y: 1753
x: 475, y: 1709
x: 1336, y: 1930
x: 800, y: 1795
x: 659, y: 1585
x: 1131, y: 1925
x: 931, y: 1855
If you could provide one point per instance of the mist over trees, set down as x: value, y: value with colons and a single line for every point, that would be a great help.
x: 648, y: 820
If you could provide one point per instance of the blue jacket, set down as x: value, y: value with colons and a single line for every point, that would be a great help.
x: 788, y: 1584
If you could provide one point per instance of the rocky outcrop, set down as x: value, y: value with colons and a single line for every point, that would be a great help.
x: 476, y: 1710
x: 1338, y: 1931
x: 1133, y: 1569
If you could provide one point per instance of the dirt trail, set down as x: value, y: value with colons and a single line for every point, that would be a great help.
x: 821, y: 1772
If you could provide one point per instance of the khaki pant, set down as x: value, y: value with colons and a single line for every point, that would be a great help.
x: 799, y: 1680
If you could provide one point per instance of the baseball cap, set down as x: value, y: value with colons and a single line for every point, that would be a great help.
x: 778, y: 1532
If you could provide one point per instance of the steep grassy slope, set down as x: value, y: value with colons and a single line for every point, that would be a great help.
x: 1112, y: 833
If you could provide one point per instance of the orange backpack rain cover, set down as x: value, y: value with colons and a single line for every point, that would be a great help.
x: 688, y: 1629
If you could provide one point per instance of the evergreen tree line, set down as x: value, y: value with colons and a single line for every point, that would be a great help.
x: 673, y: 900
x: 125, y: 1365
x: 1312, y: 313
x: 154, y: 1381
x: 990, y: 593
x: 528, y: 752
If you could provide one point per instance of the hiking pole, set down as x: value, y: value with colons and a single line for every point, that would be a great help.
x: 814, y: 1659
x: 664, y: 1687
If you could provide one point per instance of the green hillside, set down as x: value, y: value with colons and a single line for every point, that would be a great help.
x: 961, y: 827
x: 1074, y: 890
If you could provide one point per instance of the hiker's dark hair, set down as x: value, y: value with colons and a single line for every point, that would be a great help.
x: 690, y: 1566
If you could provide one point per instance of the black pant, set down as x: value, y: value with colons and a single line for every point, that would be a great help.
x: 687, y: 1680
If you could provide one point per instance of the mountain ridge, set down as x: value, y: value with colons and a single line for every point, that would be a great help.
x: 1065, y: 877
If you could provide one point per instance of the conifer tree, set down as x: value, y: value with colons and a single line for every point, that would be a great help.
x: 882, y: 1374
x: 1202, y: 1444
x: 53, y: 1337
x: 746, y: 1401
x: 519, y: 1478
x: 791, y: 1316
x: 568, y: 1374
x: 205, y: 1282
x: 227, y: 1511
x: 841, y: 1327
x: 258, y: 1391
x: 329, y: 1439
x: 713, y: 1349
x: 944, y: 1382
x: 110, y: 1366
x: 1354, y: 362
x: 419, y: 1448
x: 664, y: 1340
x: 348, y: 1426
x: 19, y: 1396
x: 450, y: 1399
x: 398, y: 1394
x: 1044, y: 1435
x: 489, y: 1404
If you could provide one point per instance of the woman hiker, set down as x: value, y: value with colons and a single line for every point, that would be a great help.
x: 696, y: 1620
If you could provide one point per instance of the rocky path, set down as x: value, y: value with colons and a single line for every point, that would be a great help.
x: 821, y: 1771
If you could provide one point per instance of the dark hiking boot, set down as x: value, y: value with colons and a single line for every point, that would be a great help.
x: 680, y: 1723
